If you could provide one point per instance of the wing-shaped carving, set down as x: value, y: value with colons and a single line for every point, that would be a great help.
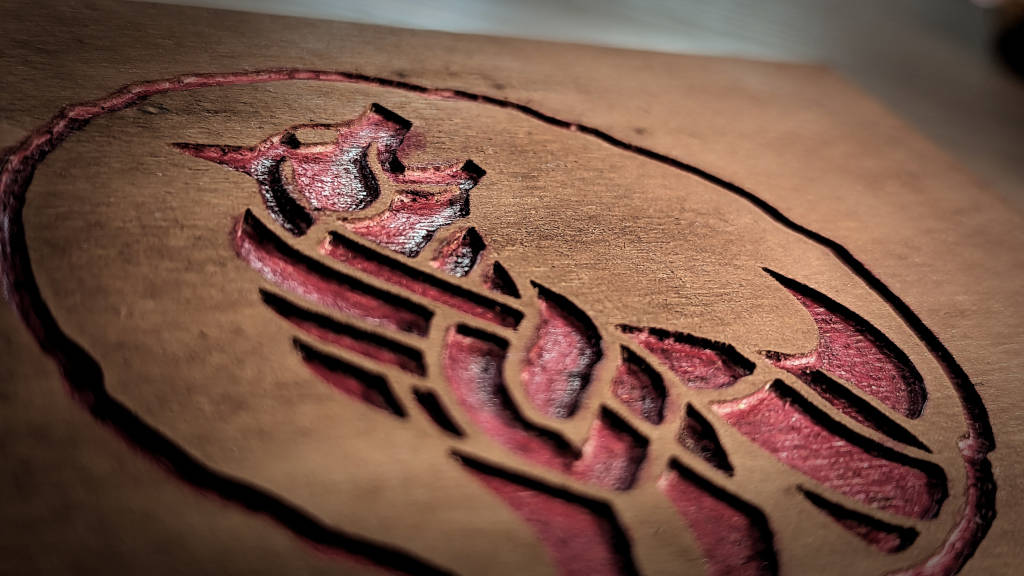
x: 514, y: 386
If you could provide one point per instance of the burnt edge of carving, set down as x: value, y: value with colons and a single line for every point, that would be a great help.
x: 437, y: 411
x: 84, y: 376
x: 370, y: 382
x: 824, y: 385
x: 620, y: 540
x: 935, y: 474
x: 291, y: 311
x: 514, y: 315
x: 917, y: 393
x: 725, y: 350
x: 904, y: 535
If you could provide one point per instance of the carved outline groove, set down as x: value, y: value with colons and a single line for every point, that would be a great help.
x: 85, y: 380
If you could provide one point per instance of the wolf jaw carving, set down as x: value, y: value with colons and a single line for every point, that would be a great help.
x: 839, y: 417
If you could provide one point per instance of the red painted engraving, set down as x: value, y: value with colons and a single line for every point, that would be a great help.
x: 309, y: 170
x: 281, y: 264
x: 787, y: 427
x: 565, y: 349
x: 698, y: 363
x: 733, y: 536
x: 639, y: 387
x: 352, y: 254
x: 851, y: 349
x: 459, y: 252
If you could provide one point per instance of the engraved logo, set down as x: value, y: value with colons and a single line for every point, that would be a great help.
x: 406, y: 301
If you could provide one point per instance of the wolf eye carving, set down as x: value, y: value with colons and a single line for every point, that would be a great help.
x: 402, y: 307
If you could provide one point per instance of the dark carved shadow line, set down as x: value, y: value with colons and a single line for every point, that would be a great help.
x: 20, y: 288
x: 372, y: 389
x: 936, y: 475
x: 620, y: 543
x: 917, y: 395
x: 507, y: 315
x: 833, y: 392
x: 726, y: 351
x: 400, y: 312
x: 406, y: 357
x: 867, y: 527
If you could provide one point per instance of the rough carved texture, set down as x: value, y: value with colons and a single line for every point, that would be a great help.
x: 412, y: 219
x: 790, y: 429
x: 559, y: 363
x: 886, y: 537
x: 697, y: 436
x: 860, y: 410
x: 698, y: 363
x: 582, y: 537
x: 369, y: 388
x: 383, y: 267
x: 294, y: 272
x: 639, y: 387
x: 459, y: 252
x: 733, y: 536
x: 851, y: 349
x: 296, y: 179
x: 473, y: 362
x: 328, y: 330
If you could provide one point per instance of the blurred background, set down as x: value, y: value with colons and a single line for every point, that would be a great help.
x: 953, y: 69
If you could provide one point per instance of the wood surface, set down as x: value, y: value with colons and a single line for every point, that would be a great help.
x: 641, y: 189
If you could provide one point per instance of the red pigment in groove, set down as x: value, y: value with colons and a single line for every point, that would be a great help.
x: 697, y: 436
x: 639, y: 387
x: 299, y: 179
x: 348, y: 252
x: 789, y: 432
x: 473, y: 363
x: 697, y: 365
x: 611, y: 456
x: 733, y: 537
x: 858, y: 409
x: 459, y: 252
x: 579, y: 541
x: 328, y: 330
x: 292, y: 271
x: 849, y: 348
x: 20, y: 288
x: 368, y: 388
x: 559, y: 363
x: 333, y: 176
x: 499, y: 280
x: 886, y: 537
x: 411, y: 220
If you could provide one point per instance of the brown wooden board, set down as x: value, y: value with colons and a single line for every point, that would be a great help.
x: 678, y: 314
